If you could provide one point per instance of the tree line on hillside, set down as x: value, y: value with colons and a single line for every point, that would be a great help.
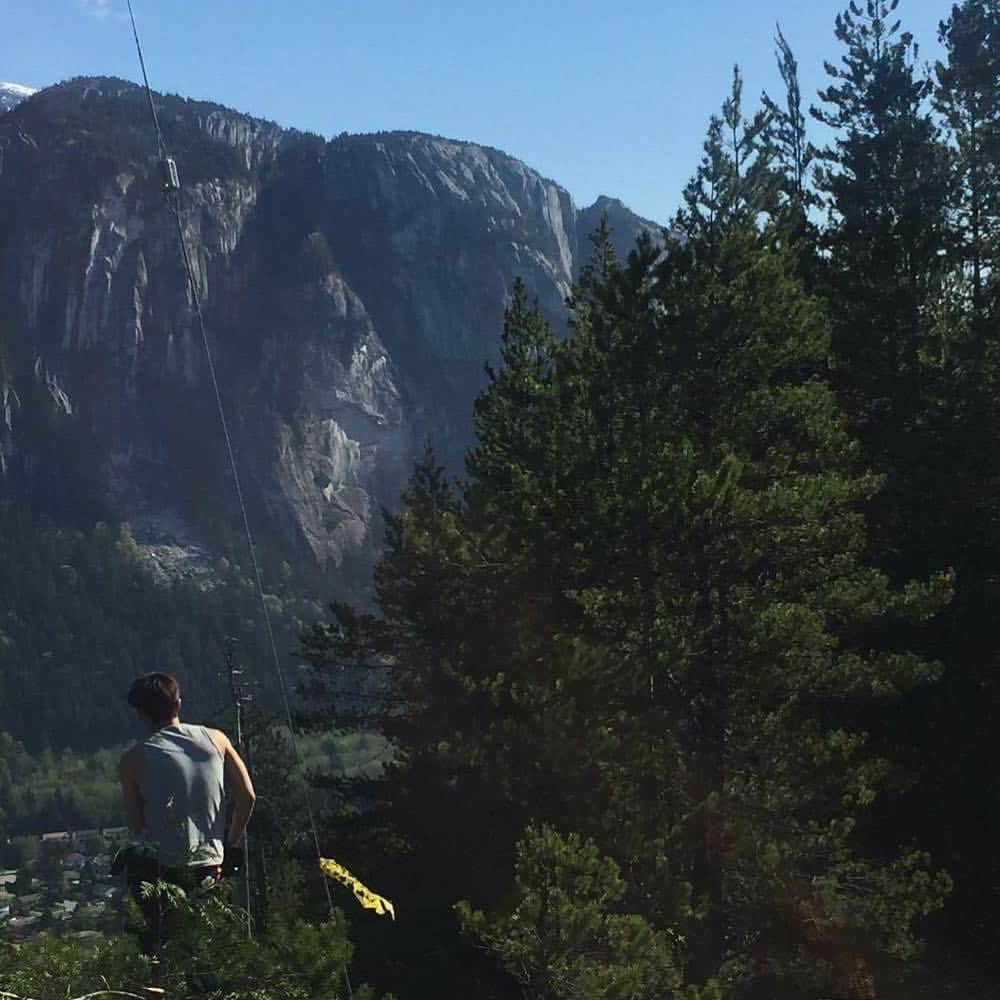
x: 54, y: 791
x: 81, y: 616
x: 691, y: 678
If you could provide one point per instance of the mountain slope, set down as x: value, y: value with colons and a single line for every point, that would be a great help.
x: 353, y: 290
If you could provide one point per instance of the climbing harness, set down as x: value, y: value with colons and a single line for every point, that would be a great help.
x: 170, y: 179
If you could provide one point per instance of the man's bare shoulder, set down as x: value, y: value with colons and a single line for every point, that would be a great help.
x: 219, y: 738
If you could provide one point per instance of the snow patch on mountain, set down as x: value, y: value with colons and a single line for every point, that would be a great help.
x: 11, y: 94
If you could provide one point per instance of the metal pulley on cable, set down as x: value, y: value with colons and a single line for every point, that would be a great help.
x: 168, y: 174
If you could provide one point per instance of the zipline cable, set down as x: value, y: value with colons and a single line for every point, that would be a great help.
x: 161, y: 147
x: 173, y: 198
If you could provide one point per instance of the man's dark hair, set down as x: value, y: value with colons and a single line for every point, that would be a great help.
x: 156, y: 695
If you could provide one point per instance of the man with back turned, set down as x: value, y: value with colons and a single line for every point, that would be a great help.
x: 175, y: 784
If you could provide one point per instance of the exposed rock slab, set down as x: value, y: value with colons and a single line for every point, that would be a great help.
x: 353, y: 290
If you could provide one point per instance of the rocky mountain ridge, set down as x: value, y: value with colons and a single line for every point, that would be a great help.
x: 353, y: 290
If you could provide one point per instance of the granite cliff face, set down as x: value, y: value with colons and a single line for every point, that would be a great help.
x: 352, y: 289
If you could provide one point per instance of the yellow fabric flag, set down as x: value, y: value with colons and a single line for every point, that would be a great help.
x: 368, y: 899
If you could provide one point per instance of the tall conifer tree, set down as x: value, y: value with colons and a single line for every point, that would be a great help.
x: 793, y: 152
x: 968, y: 98
x: 885, y: 183
x: 736, y: 183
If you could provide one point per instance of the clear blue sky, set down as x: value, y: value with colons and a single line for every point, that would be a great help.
x: 606, y: 98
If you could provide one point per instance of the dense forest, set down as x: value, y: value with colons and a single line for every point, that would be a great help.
x: 690, y: 680
x: 55, y: 791
x: 81, y: 615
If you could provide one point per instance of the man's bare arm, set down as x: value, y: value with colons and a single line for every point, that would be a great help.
x: 128, y: 774
x: 240, y: 788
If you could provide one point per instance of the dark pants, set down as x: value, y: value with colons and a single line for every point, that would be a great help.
x: 154, y: 906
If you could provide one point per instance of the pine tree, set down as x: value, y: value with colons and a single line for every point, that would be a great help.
x: 946, y: 482
x: 788, y: 136
x: 885, y: 185
x: 968, y: 98
x: 566, y: 936
x: 735, y: 183
x: 885, y: 182
x: 743, y: 347
x: 514, y: 457
x: 436, y: 828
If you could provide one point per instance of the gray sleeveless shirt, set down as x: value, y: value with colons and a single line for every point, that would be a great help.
x: 183, y: 797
